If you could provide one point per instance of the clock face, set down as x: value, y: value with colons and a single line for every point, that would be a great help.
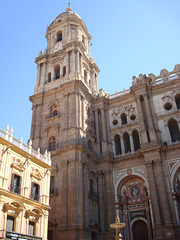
x: 58, y: 46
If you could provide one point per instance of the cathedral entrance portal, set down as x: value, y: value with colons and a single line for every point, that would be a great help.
x: 140, y: 231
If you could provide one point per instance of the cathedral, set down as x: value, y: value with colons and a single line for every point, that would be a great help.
x: 114, y: 155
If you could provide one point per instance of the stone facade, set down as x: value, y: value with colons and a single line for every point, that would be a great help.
x: 114, y: 154
x: 24, y: 189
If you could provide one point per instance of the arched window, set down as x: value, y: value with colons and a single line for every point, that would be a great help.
x: 85, y: 76
x: 177, y: 99
x: 49, y: 77
x: 136, y: 140
x: 64, y: 71
x: 52, y: 143
x: 117, y: 144
x: 57, y: 71
x: 123, y: 118
x: 174, y: 130
x: 126, y: 142
x: 59, y: 36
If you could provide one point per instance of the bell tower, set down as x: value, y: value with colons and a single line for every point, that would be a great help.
x: 66, y: 81
x: 63, y: 123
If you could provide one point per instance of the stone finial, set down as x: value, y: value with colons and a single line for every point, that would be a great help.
x: 164, y: 74
x: 135, y: 80
x: 177, y: 70
x: 30, y: 143
x: 30, y: 146
x: 11, y: 131
x: 20, y: 144
x: 40, y: 53
x: 11, y: 135
x: 38, y: 151
x: 7, y: 128
x: 68, y: 8
x: 7, y: 132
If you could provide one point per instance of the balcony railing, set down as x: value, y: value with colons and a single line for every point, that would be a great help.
x: 55, y: 78
x: 35, y: 197
x: 94, y: 195
x: 54, y: 191
x: 15, y: 189
x: 50, y: 115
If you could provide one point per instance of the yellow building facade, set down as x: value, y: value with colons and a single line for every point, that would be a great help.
x: 24, y: 189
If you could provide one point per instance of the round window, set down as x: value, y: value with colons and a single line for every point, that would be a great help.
x: 168, y: 106
x: 133, y: 117
x: 115, y: 122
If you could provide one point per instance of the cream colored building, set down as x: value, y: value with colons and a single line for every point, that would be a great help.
x: 24, y: 189
x: 114, y: 154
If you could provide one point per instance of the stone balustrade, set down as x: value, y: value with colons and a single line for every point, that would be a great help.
x: 46, y: 157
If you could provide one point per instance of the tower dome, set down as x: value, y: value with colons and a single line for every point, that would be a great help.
x: 68, y: 14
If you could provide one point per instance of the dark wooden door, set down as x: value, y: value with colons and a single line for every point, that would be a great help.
x: 140, y: 231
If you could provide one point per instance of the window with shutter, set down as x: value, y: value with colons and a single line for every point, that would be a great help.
x: 10, y: 223
x: 31, y: 228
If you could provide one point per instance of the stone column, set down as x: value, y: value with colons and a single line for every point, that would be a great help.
x: 153, y: 194
x: 76, y: 109
x: 122, y: 144
x: 61, y: 69
x: 72, y: 193
x: 161, y: 188
x: 168, y: 135
x: 77, y: 61
x: 150, y: 119
x: 63, y: 211
x: 108, y: 196
x: 82, y: 112
x: 38, y: 75
x: 143, y: 133
x: 80, y: 195
x: 86, y: 198
x: 73, y: 60
x: 127, y: 223
x: 66, y: 116
x: 104, y: 137
x: 101, y: 200
x: 131, y: 143
x: 149, y: 224
x: 97, y: 125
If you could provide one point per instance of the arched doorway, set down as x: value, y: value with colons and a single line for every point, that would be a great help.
x: 139, y: 230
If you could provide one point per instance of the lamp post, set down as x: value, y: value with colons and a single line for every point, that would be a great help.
x: 117, y: 225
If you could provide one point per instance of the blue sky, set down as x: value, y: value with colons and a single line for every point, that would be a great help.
x: 128, y: 38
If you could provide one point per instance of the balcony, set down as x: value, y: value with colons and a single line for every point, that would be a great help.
x: 55, y: 78
x: 54, y: 191
x: 15, y: 189
x: 94, y: 195
x: 53, y: 114
x: 35, y: 197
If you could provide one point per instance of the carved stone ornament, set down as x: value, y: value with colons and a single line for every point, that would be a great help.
x: 167, y: 97
x: 18, y: 165
x: 53, y: 102
x: 142, y: 79
x: 13, y: 209
x: 37, y: 174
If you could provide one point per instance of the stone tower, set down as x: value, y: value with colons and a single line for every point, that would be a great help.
x: 63, y: 122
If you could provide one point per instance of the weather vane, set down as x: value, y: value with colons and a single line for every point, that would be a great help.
x: 69, y: 3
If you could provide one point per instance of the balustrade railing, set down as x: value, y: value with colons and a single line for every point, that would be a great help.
x: 9, y: 137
